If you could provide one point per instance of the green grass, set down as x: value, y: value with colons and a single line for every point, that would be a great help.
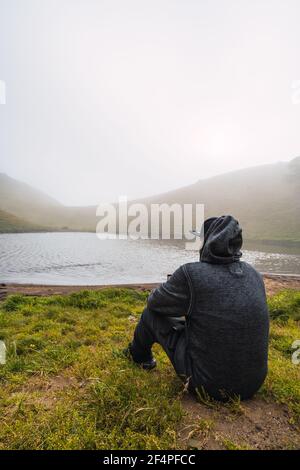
x: 67, y: 385
x: 283, y: 381
x: 285, y: 305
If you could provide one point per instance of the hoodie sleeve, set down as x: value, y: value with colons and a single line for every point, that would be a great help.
x: 172, y: 298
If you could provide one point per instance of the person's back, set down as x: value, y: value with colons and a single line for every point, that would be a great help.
x: 222, y: 349
x: 227, y: 329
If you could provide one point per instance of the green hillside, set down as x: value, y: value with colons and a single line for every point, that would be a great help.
x: 38, y: 208
x: 265, y: 199
x: 10, y: 223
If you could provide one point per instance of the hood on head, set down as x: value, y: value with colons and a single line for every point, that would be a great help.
x: 222, y: 240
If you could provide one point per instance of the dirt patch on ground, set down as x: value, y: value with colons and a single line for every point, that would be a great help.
x: 253, y: 424
x: 274, y: 283
x: 44, y: 290
x: 50, y: 384
x: 45, y: 391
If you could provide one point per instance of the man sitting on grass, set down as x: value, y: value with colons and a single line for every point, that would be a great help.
x: 220, y: 346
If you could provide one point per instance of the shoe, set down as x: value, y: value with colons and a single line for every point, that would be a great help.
x: 149, y: 365
x: 146, y: 365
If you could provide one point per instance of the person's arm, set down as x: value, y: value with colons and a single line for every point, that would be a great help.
x: 172, y: 298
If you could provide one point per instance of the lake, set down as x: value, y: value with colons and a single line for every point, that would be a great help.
x: 83, y: 259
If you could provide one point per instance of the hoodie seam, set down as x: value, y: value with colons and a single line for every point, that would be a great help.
x: 191, y: 304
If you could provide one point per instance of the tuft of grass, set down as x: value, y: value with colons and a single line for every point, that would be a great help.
x: 285, y: 305
x: 230, y: 445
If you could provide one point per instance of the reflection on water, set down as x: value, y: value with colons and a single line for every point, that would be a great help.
x: 81, y: 258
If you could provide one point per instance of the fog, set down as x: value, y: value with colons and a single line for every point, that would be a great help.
x: 108, y: 98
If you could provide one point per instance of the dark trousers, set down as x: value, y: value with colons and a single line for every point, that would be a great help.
x: 169, y: 332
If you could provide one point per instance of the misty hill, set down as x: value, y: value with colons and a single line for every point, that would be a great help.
x: 17, y: 196
x: 265, y: 199
x: 27, y: 203
x: 10, y: 223
x: 37, y: 208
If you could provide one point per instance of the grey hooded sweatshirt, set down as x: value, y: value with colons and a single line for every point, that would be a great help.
x: 227, y: 321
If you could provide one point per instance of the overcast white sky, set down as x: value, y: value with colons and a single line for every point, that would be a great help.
x: 136, y: 97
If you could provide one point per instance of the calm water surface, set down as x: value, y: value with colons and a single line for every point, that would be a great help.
x: 81, y: 258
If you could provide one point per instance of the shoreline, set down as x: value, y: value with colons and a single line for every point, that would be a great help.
x: 273, y: 283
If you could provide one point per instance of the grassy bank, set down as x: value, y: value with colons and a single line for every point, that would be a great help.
x: 66, y: 384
